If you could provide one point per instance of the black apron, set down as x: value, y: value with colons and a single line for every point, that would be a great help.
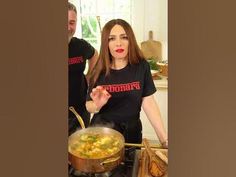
x: 131, y: 129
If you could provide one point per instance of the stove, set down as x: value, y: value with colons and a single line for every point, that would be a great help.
x: 127, y: 168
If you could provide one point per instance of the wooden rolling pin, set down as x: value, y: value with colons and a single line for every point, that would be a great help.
x: 142, y: 145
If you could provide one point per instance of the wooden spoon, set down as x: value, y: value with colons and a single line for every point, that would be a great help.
x: 157, y: 166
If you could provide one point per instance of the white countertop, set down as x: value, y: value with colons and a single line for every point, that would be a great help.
x: 161, y: 83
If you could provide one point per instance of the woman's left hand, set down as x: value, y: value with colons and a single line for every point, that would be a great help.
x: 165, y: 144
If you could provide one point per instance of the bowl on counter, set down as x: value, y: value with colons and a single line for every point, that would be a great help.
x: 163, y: 71
x: 156, y: 75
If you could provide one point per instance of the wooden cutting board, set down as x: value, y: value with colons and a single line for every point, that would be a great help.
x: 152, y: 48
x: 144, y: 164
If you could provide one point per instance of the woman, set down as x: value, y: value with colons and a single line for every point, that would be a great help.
x: 121, y: 83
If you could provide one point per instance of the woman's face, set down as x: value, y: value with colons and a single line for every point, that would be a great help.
x: 118, y: 42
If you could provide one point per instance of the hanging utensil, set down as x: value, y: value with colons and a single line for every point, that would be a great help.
x: 99, y: 23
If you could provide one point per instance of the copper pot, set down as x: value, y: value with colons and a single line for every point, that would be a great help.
x: 96, y: 165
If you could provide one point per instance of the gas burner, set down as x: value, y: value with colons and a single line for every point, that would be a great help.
x: 82, y: 174
x: 105, y: 174
x: 127, y: 168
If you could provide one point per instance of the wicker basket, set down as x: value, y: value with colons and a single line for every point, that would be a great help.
x: 163, y: 69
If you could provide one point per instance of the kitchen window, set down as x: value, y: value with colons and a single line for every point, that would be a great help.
x: 93, y: 14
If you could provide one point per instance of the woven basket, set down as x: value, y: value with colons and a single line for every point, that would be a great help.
x: 163, y: 69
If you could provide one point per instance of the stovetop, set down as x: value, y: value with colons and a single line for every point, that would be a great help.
x: 127, y: 168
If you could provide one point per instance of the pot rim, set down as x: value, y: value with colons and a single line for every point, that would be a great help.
x: 96, y: 129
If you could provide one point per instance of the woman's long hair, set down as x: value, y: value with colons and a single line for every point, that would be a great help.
x: 104, y: 60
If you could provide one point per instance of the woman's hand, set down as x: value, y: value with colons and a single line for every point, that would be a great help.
x: 165, y: 144
x: 152, y: 111
x: 99, y: 96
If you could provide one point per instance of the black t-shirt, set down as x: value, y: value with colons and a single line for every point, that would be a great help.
x: 127, y: 87
x: 79, y: 51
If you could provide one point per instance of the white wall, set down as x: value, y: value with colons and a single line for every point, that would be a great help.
x: 151, y: 15
x: 146, y: 15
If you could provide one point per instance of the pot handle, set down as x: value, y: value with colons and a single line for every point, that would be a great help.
x: 109, y: 161
x: 72, y: 109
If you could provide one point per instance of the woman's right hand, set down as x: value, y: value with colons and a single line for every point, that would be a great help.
x: 100, y: 96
